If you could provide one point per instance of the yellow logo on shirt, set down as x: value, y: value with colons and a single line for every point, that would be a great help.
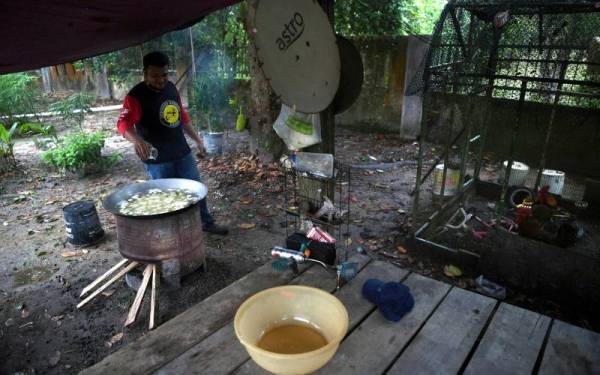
x: 170, y: 113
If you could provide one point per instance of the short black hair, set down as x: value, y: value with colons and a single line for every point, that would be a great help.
x: 155, y: 58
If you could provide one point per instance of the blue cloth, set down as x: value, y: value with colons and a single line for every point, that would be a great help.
x: 393, y: 299
x: 183, y: 168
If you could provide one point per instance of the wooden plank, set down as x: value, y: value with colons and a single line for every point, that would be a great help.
x: 445, y: 341
x: 219, y: 353
x: 154, y: 298
x: 351, y: 296
x: 319, y: 278
x: 121, y: 273
x: 104, y: 276
x: 571, y: 350
x: 139, y: 296
x: 375, y: 343
x: 208, y: 356
x: 179, y: 334
x: 511, y: 343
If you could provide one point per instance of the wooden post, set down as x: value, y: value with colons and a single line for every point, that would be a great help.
x: 310, y: 187
x: 137, y: 302
x: 131, y: 266
x: 154, y: 305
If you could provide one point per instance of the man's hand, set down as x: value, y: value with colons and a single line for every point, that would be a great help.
x: 142, y: 149
x: 201, y: 153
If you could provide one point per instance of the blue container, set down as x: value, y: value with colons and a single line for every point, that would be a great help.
x: 82, y: 223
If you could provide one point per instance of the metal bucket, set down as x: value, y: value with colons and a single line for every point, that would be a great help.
x: 161, y: 238
x: 554, y: 179
x: 213, y: 143
x: 176, y: 234
x: 82, y: 223
x: 518, y: 173
x: 452, y: 181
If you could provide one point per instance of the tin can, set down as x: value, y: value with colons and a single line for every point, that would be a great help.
x: 153, y: 153
x: 320, y: 235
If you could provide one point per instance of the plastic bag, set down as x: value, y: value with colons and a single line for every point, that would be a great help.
x: 298, y: 130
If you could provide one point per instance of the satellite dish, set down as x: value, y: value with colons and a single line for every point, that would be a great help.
x: 297, y: 50
x: 352, y: 76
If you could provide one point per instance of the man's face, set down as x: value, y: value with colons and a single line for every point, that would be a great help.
x: 156, y: 76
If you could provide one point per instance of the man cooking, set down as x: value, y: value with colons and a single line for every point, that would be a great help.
x: 153, y: 117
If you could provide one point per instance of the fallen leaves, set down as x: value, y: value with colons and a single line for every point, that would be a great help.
x: 108, y: 293
x: 246, y: 200
x: 72, y: 254
x: 247, y: 164
x: 113, y: 340
x: 246, y: 226
x: 401, y: 249
x: 452, y: 271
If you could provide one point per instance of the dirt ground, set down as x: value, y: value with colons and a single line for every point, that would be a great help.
x: 41, y: 275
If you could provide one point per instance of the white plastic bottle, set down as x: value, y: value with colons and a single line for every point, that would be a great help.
x: 313, y: 163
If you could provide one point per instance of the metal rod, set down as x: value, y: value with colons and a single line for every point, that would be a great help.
x: 458, y: 32
x: 447, y: 153
x: 511, y: 155
x: 465, y: 150
x: 563, y: 70
x: 532, y: 79
x: 491, y: 68
x: 436, y: 244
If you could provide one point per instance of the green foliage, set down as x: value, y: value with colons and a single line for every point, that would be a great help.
x: 19, y: 94
x: 80, y: 152
x: 34, y: 128
x: 209, y: 105
x: 74, y: 108
x: 124, y: 67
x: 360, y: 18
x: 44, y: 134
x: 220, y: 31
x: 7, y: 156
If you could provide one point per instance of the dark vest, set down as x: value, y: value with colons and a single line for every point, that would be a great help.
x: 161, y: 122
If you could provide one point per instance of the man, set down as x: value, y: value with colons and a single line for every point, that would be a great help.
x: 153, y: 116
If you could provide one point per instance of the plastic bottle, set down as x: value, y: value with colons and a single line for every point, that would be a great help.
x: 313, y: 163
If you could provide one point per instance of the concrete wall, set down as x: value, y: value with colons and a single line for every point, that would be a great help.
x: 389, y: 64
x: 574, y: 143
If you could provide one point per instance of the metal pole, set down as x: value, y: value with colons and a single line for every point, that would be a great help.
x: 465, y: 151
x: 491, y: 71
x: 193, y: 53
x: 563, y: 71
x: 514, y: 138
x: 450, y: 119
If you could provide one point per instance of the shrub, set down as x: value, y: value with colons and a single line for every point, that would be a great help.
x: 19, y: 94
x: 74, y: 109
x: 209, y: 102
x: 80, y: 153
x: 7, y: 157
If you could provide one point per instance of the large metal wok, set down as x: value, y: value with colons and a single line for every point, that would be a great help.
x: 153, y: 238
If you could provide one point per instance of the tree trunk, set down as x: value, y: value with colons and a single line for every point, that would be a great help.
x: 264, y: 105
x: 46, y: 79
x: 103, y: 89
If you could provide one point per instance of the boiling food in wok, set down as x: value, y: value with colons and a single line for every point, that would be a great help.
x: 157, y: 201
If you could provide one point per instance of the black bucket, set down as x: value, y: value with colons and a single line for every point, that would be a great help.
x: 82, y: 223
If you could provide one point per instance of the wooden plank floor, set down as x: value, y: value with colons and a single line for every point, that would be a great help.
x: 449, y: 331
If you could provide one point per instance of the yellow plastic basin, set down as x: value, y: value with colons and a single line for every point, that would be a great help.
x: 283, y: 305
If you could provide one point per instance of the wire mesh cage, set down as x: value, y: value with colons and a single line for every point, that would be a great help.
x: 325, y: 202
x: 505, y: 84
